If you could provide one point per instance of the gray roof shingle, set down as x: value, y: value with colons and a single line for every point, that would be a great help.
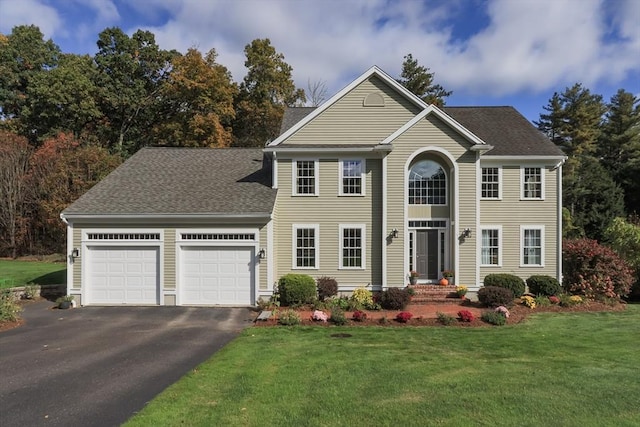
x: 183, y: 181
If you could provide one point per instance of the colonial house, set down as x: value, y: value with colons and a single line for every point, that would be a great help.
x: 367, y: 187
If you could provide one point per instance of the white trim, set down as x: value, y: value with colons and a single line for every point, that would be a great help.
x: 363, y: 176
x: 467, y: 134
x: 478, y: 167
x: 319, y: 149
x: 294, y: 177
x: 70, y: 260
x: 274, y: 172
x: 156, y: 217
x: 490, y: 227
x: 373, y: 71
x: 270, y: 257
x: 363, y: 245
x: 543, y: 172
x: 500, y: 182
x: 445, y: 229
x: 542, y: 251
x: 528, y: 157
x: 316, y: 244
x: 385, y: 229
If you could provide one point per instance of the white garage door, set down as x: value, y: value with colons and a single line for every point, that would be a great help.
x: 216, y: 275
x: 123, y: 275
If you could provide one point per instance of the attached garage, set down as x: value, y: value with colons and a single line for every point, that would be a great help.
x: 122, y: 275
x: 212, y: 275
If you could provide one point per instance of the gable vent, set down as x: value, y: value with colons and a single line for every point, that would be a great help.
x: 374, y: 100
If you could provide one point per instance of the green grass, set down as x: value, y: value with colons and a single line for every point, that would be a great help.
x: 19, y: 273
x: 555, y: 369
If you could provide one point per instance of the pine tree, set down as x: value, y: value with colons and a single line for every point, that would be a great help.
x: 419, y: 81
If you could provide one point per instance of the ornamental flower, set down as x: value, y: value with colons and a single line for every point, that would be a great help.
x: 466, y: 316
x: 461, y: 290
x: 448, y: 273
x: 503, y: 310
x: 319, y: 315
x: 404, y: 316
x: 413, y: 273
x: 554, y: 299
x: 359, y: 316
x: 528, y: 301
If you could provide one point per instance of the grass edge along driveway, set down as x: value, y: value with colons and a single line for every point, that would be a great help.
x: 569, y: 369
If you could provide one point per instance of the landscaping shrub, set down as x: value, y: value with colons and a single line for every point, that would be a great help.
x: 319, y: 316
x: 289, y: 318
x: 567, y: 300
x: 493, y: 296
x: 338, y: 317
x: 394, y: 299
x: 296, y: 289
x: 9, y: 309
x: 595, y: 271
x: 362, y: 298
x: 508, y: 281
x: 445, y: 319
x: 31, y: 291
x: 359, y: 316
x: 544, y: 285
x: 554, y: 299
x: 494, y: 318
x: 404, y: 316
x: 466, y: 316
x: 327, y: 287
x: 542, y: 301
x: 528, y: 301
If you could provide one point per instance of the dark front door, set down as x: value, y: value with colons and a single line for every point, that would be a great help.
x: 427, y: 254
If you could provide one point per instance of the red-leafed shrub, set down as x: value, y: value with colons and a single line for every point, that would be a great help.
x: 466, y: 316
x: 404, y: 316
x: 595, y: 271
x: 359, y: 316
x: 554, y: 299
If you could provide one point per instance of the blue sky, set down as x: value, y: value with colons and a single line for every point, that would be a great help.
x: 488, y: 52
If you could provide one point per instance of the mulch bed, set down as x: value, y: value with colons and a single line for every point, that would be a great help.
x: 426, y: 314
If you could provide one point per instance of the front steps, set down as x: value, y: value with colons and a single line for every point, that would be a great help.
x: 434, y: 294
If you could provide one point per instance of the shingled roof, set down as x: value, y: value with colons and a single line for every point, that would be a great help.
x: 502, y: 127
x: 183, y: 181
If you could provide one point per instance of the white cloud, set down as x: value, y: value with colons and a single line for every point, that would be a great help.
x: 27, y: 12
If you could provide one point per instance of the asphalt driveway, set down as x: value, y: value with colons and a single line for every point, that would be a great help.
x: 97, y: 366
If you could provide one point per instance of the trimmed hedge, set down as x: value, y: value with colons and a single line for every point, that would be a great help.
x: 544, y: 285
x: 508, y: 281
x: 495, y: 296
x: 296, y: 289
x: 395, y: 299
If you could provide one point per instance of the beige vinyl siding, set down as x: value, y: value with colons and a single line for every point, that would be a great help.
x: 329, y: 211
x: 77, y: 263
x: 261, y: 282
x: 170, y: 259
x: 348, y: 121
x: 511, y: 212
x: 431, y: 132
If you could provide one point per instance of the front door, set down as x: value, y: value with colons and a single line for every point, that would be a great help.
x: 427, y: 254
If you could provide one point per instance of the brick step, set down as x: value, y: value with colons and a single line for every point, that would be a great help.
x: 435, y: 300
x: 435, y: 294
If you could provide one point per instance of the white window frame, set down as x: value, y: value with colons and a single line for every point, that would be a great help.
x: 499, y: 168
x: 294, y: 245
x: 363, y: 246
x: 523, y: 195
x: 294, y: 178
x: 446, y: 186
x: 540, y: 228
x: 497, y: 228
x: 363, y: 166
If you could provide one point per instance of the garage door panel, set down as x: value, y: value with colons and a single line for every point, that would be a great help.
x: 123, y: 275
x: 216, y: 275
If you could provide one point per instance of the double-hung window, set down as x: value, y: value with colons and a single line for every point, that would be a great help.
x: 352, y: 177
x: 490, y: 249
x: 491, y: 183
x: 305, y: 246
x: 532, y: 245
x: 532, y: 182
x: 305, y: 178
x: 352, y: 246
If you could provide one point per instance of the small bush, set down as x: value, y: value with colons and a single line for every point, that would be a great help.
x: 494, y: 318
x: 466, y: 316
x: 445, y: 319
x: 289, y: 318
x: 544, y: 285
x: 361, y: 298
x: 31, y: 291
x: 567, y: 300
x: 542, y: 301
x: 327, y: 287
x: 359, y: 316
x: 296, y: 289
x: 404, y: 316
x: 394, y: 299
x: 9, y: 309
x: 507, y: 281
x: 528, y: 301
x: 494, y: 296
x: 338, y: 317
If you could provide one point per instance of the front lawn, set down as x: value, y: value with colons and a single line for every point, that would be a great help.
x: 18, y: 273
x: 569, y: 369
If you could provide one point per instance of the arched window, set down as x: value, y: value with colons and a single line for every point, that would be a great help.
x: 427, y: 184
